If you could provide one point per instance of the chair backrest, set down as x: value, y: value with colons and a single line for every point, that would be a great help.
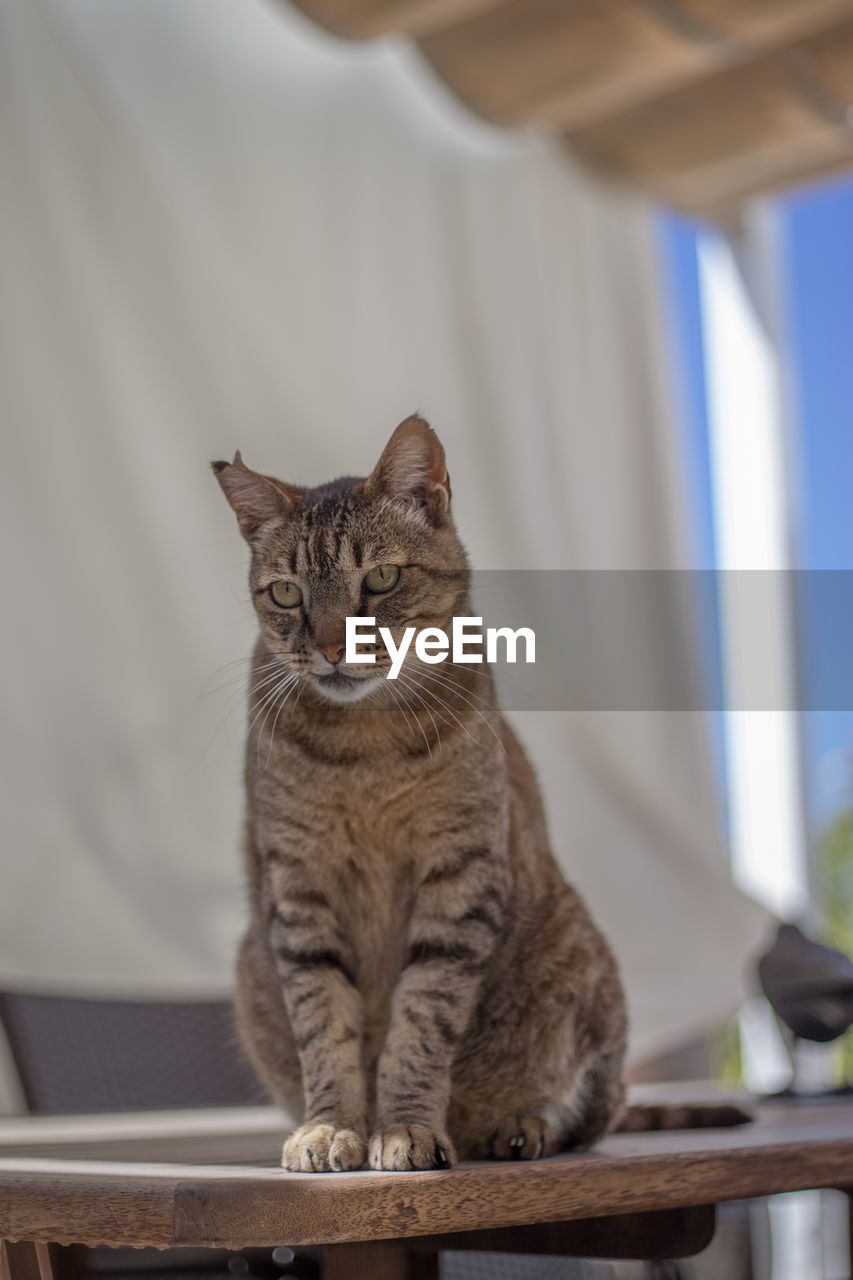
x: 79, y: 1055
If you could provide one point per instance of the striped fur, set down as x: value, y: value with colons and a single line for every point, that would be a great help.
x: 417, y: 981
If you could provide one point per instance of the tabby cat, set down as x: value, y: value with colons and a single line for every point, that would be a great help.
x: 418, y: 983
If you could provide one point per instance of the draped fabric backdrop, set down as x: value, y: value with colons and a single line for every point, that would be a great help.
x: 222, y: 228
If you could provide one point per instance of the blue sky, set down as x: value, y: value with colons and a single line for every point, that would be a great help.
x: 816, y: 239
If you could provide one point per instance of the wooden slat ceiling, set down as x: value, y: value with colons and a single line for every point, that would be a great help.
x: 703, y: 103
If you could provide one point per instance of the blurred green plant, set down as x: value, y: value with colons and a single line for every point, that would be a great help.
x: 726, y: 1053
x: 834, y: 881
x: 833, y: 887
x: 834, y: 893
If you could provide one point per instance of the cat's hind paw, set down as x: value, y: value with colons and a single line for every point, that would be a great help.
x: 520, y: 1137
x: 321, y: 1148
x: 403, y: 1147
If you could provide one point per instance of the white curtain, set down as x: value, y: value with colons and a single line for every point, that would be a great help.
x: 221, y: 228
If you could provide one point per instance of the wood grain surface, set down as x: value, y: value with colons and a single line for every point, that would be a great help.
x: 790, y: 1147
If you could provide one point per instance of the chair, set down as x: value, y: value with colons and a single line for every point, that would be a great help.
x: 78, y: 1055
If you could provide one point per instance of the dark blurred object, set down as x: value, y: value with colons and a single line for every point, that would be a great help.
x: 86, y: 1056
x: 809, y: 986
x: 281, y: 1263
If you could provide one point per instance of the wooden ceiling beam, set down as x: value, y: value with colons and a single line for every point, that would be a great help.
x: 738, y: 133
x: 726, y: 210
x: 701, y: 102
x: 573, y: 63
x: 363, y: 19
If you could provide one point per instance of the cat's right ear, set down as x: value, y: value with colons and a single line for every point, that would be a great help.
x: 255, y: 499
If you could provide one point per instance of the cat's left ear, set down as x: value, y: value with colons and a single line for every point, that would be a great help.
x: 412, y: 467
x: 254, y: 498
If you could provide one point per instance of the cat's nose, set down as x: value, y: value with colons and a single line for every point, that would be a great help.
x: 331, y: 652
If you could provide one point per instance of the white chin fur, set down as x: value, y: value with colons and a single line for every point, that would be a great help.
x: 359, y: 689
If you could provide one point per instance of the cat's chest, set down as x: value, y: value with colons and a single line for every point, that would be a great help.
x: 371, y: 876
x: 356, y: 836
x: 365, y: 816
x: 373, y: 863
x: 358, y: 841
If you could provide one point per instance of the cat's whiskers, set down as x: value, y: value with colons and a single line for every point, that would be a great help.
x: 489, y: 674
x: 446, y: 683
x: 450, y: 682
x: 282, y: 690
x: 452, y: 685
x: 296, y: 680
x: 425, y: 704
x: 235, y: 662
x: 266, y: 702
x: 400, y: 703
x: 437, y: 697
x: 263, y: 702
x: 240, y: 679
x: 457, y: 685
x: 373, y: 697
x: 232, y: 699
x: 252, y: 689
x: 205, y: 692
x: 473, y: 668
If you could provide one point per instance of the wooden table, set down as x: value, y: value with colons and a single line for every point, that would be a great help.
x: 646, y: 1195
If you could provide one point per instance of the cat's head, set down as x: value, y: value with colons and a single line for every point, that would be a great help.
x: 383, y: 547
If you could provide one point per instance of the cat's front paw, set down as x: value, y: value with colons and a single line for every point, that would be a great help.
x: 410, y: 1146
x: 321, y: 1148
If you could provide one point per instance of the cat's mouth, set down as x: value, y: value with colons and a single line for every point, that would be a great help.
x: 337, y: 686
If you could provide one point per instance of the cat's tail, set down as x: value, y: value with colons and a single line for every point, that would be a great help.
x: 640, y: 1118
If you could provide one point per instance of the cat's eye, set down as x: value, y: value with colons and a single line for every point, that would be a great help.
x: 286, y: 594
x: 382, y: 578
